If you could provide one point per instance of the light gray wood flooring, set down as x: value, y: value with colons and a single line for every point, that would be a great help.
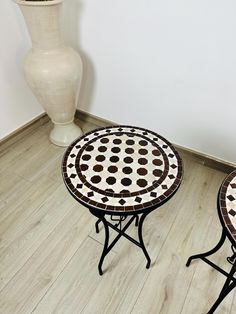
x: 49, y: 249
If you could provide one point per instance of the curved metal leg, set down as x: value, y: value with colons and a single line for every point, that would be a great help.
x: 97, y: 225
x: 121, y: 232
x: 228, y: 281
x: 221, y: 298
x: 228, y: 286
x: 140, y: 225
x: 106, y: 241
x: 215, y: 249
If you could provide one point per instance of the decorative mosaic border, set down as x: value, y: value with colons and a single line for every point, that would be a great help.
x: 227, y: 203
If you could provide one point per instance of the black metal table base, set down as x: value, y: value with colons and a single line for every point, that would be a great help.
x: 121, y: 232
x: 230, y: 282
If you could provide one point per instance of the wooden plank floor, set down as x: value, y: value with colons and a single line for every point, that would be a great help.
x: 49, y: 249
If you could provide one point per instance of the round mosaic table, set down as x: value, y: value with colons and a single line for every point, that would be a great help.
x: 226, y: 204
x: 121, y: 171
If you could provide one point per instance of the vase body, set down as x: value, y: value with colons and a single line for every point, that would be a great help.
x: 52, y: 70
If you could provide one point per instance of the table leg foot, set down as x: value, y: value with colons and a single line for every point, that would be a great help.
x: 140, y: 235
x: 148, y: 264
x: 208, y: 253
x: 189, y: 261
x: 100, y: 271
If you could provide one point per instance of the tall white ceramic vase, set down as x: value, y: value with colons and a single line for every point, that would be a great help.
x: 52, y: 70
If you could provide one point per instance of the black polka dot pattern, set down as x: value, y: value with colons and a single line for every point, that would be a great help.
x: 121, y: 169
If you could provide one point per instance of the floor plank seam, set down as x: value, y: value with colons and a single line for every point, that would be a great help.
x: 172, y: 225
x: 91, y: 237
x: 34, y: 251
x: 31, y: 214
x: 141, y: 290
x: 181, y: 312
x: 158, y: 255
x: 231, y: 307
x: 48, y: 290
x: 204, y: 249
x: 21, y: 138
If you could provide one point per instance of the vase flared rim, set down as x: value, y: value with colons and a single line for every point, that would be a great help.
x: 38, y: 3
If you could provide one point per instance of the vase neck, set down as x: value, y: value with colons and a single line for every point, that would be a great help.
x: 44, y: 25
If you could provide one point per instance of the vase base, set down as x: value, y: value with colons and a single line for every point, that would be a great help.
x: 64, y: 134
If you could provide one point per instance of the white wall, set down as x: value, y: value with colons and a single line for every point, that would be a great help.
x: 166, y: 65
x: 17, y: 103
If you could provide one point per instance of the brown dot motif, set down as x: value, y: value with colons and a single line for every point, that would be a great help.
x: 128, y: 160
x: 102, y: 149
x: 142, y: 161
x: 104, y: 140
x: 156, y: 152
x: 157, y: 173
x: 142, y: 171
x: 111, y: 180
x: 115, y: 150
x: 130, y: 142
x: 98, y: 168
x: 157, y: 162
x: 142, y: 183
x: 143, y: 151
x: 126, y: 181
x: 96, y: 179
x: 117, y: 141
x: 112, y: 169
x: 143, y: 143
x: 129, y: 150
x: 114, y: 158
x: 100, y: 158
x: 86, y: 157
x: 89, y: 148
x: 83, y: 167
x: 127, y: 170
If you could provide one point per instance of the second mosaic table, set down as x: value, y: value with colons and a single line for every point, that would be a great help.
x: 226, y: 205
x: 124, y: 172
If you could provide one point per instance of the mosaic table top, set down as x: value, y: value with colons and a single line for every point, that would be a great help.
x: 227, y: 203
x: 121, y: 168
